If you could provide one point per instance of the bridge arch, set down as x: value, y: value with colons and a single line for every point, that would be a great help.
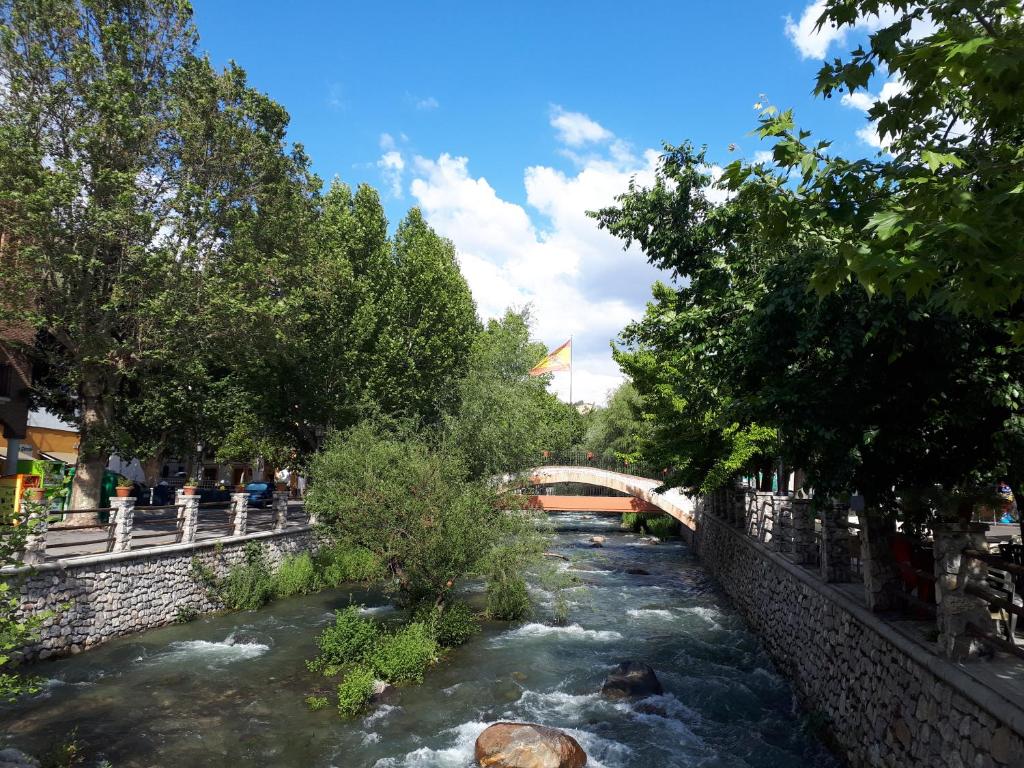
x: 672, y: 502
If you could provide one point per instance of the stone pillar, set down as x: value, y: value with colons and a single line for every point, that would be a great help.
x: 783, y: 532
x: 953, y: 571
x: 738, y: 516
x: 835, y: 545
x: 35, y: 515
x: 803, y: 531
x: 764, y: 516
x: 239, y: 513
x: 882, y: 583
x: 280, y: 509
x: 123, y: 518
x: 188, y: 514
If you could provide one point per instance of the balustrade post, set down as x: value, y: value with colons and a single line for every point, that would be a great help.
x: 783, y: 535
x: 835, y: 544
x: 953, y: 572
x: 882, y: 582
x: 763, y: 516
x: 280, y: 510
x: 803, y: 531
x: 240, y: 513
x: 188, y: 515
x: 122, y: 513
x: 35, y: 514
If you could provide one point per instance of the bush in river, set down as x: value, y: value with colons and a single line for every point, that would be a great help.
x: 662, y: 526
x: 403, y: 656
x: 355, y: 691
x: 296, y: 576
x: 508, y: 599
x: 451, y: 624
x: 336, y: 565
x: 351, y: 639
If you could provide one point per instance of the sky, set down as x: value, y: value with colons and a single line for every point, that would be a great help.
x: 506, y: 122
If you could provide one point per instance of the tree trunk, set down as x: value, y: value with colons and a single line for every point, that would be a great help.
x: 92, y: 453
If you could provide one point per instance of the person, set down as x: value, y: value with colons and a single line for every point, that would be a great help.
x: 1006, y: 503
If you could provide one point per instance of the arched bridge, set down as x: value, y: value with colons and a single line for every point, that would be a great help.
x: 673, y: 501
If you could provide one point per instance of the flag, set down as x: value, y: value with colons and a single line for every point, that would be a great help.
x: 557, y: 360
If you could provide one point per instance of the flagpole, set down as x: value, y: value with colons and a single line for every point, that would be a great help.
x: 570, y: 370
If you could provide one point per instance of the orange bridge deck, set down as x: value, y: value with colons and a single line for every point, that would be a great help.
x: 612, y: 505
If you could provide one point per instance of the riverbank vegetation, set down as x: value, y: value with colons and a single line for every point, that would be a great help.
x: 860, y: 320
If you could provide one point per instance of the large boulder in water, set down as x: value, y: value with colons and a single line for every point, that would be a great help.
x: 631, y: 680
x: 15, y: 758
x: 526, y: 745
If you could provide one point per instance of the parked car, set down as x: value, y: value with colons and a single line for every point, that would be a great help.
x: 208, y: 495
x: 260, y: 494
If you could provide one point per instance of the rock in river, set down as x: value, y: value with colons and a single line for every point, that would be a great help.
x: 597, y: 541
x: 631, y: 680
x: 637, y: 572
x: 527, y: 745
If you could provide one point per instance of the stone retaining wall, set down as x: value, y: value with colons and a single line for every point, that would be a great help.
x: 117, y: 594
x: 889, y: 701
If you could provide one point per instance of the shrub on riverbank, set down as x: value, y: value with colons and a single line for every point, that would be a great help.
x: 662, y: 526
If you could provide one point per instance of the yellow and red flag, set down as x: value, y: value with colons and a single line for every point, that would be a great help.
x: 559, y: 359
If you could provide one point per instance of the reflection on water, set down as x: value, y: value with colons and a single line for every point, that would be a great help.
x: 229, y: 690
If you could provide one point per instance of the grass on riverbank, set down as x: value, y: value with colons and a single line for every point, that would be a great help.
x: 253, y: 583
x: 654, y: 523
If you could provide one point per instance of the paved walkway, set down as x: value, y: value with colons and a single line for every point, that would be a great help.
x: 214, y: 523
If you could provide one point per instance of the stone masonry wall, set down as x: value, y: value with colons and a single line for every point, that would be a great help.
x: 888, y: 700
x: 118, y: 594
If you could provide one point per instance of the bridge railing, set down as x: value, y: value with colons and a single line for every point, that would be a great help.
x: 582, y: 458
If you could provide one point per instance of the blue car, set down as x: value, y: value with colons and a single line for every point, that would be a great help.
x: 260, y: 494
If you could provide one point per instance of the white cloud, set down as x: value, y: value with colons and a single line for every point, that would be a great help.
x: 392, y: 167
x: 576, y: 129
x: 763, y: 156
x: 814, y: 43
x: 427, y: 104
x: 864, y: 101
x: 548, y: 252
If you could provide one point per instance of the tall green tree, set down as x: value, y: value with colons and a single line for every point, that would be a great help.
x: 506, y: 418
x: 120, y: 185
x: 619, y: 431
x: 939, y: 212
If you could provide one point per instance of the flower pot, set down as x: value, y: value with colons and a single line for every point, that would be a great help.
x: 190, y: 490
x: 281, y: 486
x: 239, y: 488
x: 122, y: 492
x: 34, y: 494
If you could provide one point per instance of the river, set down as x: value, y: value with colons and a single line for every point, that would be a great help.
x: 229, y: 690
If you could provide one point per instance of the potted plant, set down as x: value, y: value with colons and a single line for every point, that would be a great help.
x: 240, y: 485
x: 124, y: 487
x: 191, y: 487
x: 34, y: 494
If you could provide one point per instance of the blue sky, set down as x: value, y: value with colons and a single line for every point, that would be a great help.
x: 505, y: 122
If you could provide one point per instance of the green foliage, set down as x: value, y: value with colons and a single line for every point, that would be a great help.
x: 355, y: 691
x: 662, y: 526
x: 316, y: 703
x: 296, y: 575
x: 740, y: 368
x: 411, y: 504
x: 352, y: 638
x: 619, y: 431
x: 508, y: 599
x: 15, y: 631
x: 506, y: 417
x: 250, y: 584
x: 451, y: 625
x: 186, y: 614
x: 335, y: 565
x: 403, y: 656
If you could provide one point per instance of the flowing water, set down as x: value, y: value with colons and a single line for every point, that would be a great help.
x: 229, y: 690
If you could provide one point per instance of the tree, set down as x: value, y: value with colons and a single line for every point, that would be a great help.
x: 120, y: 185
x: 413, y: 505
x: 740, y: 366
x: 619, y: 431
x: 939, y: 212
x: 506, y: 418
